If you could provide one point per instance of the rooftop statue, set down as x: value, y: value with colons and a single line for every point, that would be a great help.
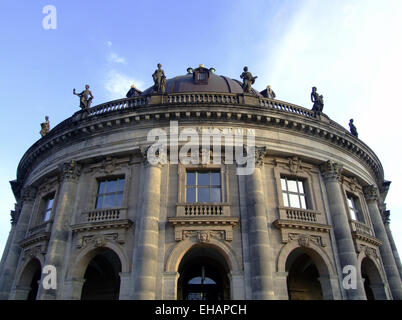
x: 318, y: 100
x: 159, y: 80
x: 248, y: 80
x: 45, y: 127
x: 353, y: 129
x: 133, y: 92
x: 85, y: 102
x: 268, y: 93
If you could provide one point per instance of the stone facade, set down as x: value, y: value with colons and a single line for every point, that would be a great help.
x: 256, y: 241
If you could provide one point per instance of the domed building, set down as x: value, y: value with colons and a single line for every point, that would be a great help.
x: 97, y: 218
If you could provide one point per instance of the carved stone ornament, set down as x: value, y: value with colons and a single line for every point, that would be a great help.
x: 353, y: 184
x: 331, y: 170
x: 34, y: 252
x: 154, y: 155
x: 370, y: 192
x: 28, y: 194
x: 295, y: 165
x: 304, y: 240
x: 204, y: 235
x: 386, y: 216
x: 368, y: 251
x: 98, y: 240
x: 70, y: 170
x: 258, y: 156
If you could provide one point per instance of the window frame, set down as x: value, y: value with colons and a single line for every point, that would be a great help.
x: 45, y: 209
x: 356, y: 208
x: 197, y: 186
x: 116, y: 192
x: 287, y: 192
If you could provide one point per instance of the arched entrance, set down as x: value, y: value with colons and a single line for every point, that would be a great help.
x: 29, y: 281
x: 373, y: 284
x: 102, y: 279
x: 203, y: 275
x: 302, y: 280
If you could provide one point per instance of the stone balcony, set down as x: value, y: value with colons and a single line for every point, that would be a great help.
x: 362, y: 233
x: 203, y: 220
x: 102, y: 219
x: 38, y: 233
x: 298, y: 220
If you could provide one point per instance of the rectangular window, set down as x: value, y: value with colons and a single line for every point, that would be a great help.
x: 354, y: 207
x: 110, y: 193
x: 47, y: 208
x: 293, y: 193
x: 203, y: 186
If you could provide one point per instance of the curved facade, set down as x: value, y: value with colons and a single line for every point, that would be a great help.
x: 308, y: 222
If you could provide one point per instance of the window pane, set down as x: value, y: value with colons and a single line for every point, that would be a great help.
x: 190, y: 196
x: 98, y: 203
x: 294, y: 201
x: 47, y: 216
x: 108, y: 201
x: 196, y: 280
x: 353, y: 215
x: 191, y: 178
x: 283, y: 183
x: 285, y: 200
x: 303, y: 202
x: 203, y: 178
x: 350, y: 203
x: 120, y: 185
x: 203, y: 195
x: 292, y: 186
x: 118, y: 199
x: 111, y: 186
x: 49, y: 204
x: 215, y: 194
x: 301, y: 187
x: 101, y: 187
x: 215, y: 178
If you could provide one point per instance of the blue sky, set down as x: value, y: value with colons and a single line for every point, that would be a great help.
x: 350, y: 50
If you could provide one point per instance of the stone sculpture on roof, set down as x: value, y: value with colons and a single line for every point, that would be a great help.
x: 248, y: 80
x: 85, y: 97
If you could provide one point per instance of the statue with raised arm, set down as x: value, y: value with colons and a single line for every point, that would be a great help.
x: 159, y: 80
x: 318, y: 101
x: 45, y: 127
x: 85, y: 97
x: 353, y: 129
x: 248, y: 80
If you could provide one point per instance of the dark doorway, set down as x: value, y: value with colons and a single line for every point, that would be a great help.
x: 203, y: 275
x: 102, y: 280
x: 31, y: 278
x: 302, y: 281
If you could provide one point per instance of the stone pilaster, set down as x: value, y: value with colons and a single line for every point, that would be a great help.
x: 20, y: 225
x: 69, y: 174
x: 391, y: 270
x: 331, y: 173
x: 146, y: 256
x: 260, y: 260
x: 392, y: 242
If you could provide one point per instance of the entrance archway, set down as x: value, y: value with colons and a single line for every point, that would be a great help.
x: 29, y: 281
x: 373, y: 284
x: 102, y: 279
x: 203, y: 275
x: 303, y: 274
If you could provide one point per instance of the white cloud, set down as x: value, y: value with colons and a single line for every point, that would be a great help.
x: 109, y: 43
x: 117, y: 84
x: 114, y: 57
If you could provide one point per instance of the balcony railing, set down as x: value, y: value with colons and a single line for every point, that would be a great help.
x: 41, y: 228
x: 298, y: 214
x: 361, y: 228
x: 101, y: 215
x: 202, y: 209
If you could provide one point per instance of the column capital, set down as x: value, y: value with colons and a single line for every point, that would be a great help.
x: 371, y: 192
x: 331, y: 170
x: 28, y: 194
x: 386, y: 217
x: 153, y: 156
x: 70, y: 171
x: 254, y: 153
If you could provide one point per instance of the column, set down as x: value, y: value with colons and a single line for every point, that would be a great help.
x: 392, y: 242
x: 261, y: 271
x: 125, y: 285
x: 391, y: 270
x: 69, y: 175
x: 331, y: 173
x: 146, y: 256
x: 170, y: 285
x: 73, y: 288
x: 28, y: 195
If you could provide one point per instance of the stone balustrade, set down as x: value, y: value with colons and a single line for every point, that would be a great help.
x: 102, y: 215
x: 298, y: 214
x: 199, y: 210
x: 361, y: 228
x: 41, y: 228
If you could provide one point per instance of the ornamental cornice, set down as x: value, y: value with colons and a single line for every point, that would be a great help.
x: 282, y: 116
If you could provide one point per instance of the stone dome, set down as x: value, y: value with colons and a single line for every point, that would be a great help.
x: 211, y: 83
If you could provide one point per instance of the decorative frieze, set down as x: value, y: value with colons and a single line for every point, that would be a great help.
x: 108, y: 165
x: 305, y: 240
x: 100, y: 240
x: 206, y: 235
x: 368, y: 250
